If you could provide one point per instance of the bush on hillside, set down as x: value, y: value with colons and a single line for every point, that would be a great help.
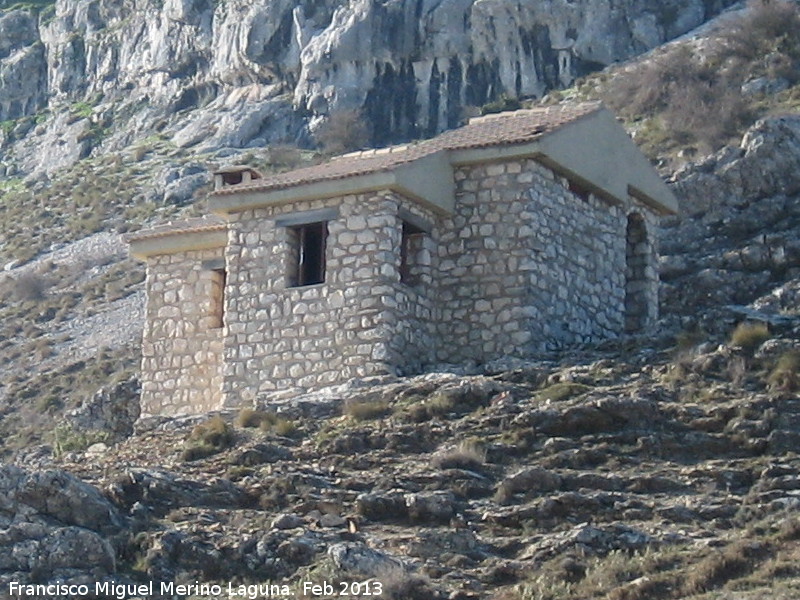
x: 207, y: 438
x: 769, y: 29
x: 696, y: 94
x: 749, y: 336
x: 344, y: 131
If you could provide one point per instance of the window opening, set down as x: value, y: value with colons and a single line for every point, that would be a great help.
x: 410, y: 246
x: 232, y: 178
x: 581, y: 191
x: 636, y: 283
x: 217, y: 309
x: 309, y: 253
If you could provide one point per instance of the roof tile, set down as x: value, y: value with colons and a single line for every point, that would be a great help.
x: 499, y: 129
x: 192, y: 225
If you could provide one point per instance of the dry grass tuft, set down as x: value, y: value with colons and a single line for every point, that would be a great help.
x: 733, y: 562
x: 466, y: 455
x: 563, y: 390
x: 268, y: 422
x: 208, y: 438
x: 684, y: 97
x: 344, y: 131
x: 785, y: 377
x: 748, y: 336
x: 365, y: 410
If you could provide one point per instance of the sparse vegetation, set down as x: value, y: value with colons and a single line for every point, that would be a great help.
x: 785, y: 376
x: 684, y: 96
x: 343, y: 131
x: 749, y: 336
x: 67, y: 439
x: 732, y: 562
x: 688, y: 339
x: 691, y: 100
x: 268, y: 422
x: 366, y: 410
x: 437, y: 405
x: 563, y: 390
x: 249, y: 417
x: 503, y: 104
x: 30, y: 286
x: 466, y: 455
x: 208, y: 438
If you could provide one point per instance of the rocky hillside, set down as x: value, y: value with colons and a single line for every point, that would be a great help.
x: 649, y: 468
x: 108, y: 153
x: 662, y: 467
x: 623, y: 472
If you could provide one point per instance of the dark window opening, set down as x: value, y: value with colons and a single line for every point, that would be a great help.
x: 233, y: 178
x: 308, y: 242
x: 581, y: 191
x: 217, y: 308
x: 636, y: 283
x: 410, y: 246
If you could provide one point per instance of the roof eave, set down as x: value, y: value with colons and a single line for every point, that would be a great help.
x: 428, y: 179
x: 178, y: 241
x: 596, y: 151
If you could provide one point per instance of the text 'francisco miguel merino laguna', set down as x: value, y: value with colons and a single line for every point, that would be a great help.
x: 120, y: 591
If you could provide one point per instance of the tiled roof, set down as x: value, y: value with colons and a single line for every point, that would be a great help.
x: 500, y: 129
x: 193, y: 225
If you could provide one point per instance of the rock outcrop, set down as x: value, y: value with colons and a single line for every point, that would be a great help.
x: 53, y: 526
x: 235, y: 73
x: 738, y: 236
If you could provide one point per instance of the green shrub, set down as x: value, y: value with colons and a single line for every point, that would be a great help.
x: 748, y: 336
x: 68, y: 439
x: 503, y: 104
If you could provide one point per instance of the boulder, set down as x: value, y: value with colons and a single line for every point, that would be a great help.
x: 355, y: 559
x: 53, y: 524
x: 426, y: 507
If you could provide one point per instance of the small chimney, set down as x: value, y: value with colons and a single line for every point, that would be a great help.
x: 235, y: 175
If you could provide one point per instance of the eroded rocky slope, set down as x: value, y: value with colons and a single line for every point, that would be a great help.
x: 89, y: 77
x: 661, y: 467
x: 621, y: 472
x: 658, y: 467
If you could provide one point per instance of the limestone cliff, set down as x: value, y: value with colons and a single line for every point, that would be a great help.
x: 80, y: 74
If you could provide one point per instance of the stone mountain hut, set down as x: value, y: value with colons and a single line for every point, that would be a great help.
x: 516, y: 233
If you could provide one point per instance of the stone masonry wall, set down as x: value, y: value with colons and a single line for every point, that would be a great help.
x: 280, y: 336
x: 641, y: 269
x: 527, y: 264
x: 181, y: 347
x: 578, y: 285
x: 412, y: 343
